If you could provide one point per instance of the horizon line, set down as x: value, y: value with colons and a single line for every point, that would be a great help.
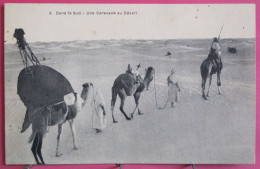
x: 130, y: 39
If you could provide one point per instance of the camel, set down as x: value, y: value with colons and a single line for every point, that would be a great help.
x: 207, y: 69
x: 125, y: 85
x: 50, y: 116
x: 50, y: 100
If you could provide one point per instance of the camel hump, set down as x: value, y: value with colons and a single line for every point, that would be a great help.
x: 126, y: 81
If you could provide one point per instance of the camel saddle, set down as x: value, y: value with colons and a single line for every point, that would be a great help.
x: 215, y: 60
x: 129, y: 83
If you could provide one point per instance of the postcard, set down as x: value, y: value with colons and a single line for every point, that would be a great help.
x: 129, y: 83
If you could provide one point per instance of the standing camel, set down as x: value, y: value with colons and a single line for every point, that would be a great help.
x: 50, y: 100
x: 125, y: 85
x: 50, y: 116
x: 207, y: 69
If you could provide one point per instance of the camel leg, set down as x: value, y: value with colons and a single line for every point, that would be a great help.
x: 204, y: 80
x: 210, y: 78
x: 219, y: 83
x: 137, y: 97
x: 39, y: 147
x: 34, y: 148
x: 112, y: 111
x: 58, y: 154
x: 122, y: 97
x: 203, y: 87
x: 113, y: 101
x: 72, y: 127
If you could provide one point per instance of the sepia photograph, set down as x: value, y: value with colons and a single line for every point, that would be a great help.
x: 129, y: 83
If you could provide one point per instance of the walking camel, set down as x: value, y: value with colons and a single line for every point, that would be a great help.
x: 207, y: 69
x: 125, y: 85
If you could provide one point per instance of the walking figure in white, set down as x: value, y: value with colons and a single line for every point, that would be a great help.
x: 95, y: 98
x: 173, y: 88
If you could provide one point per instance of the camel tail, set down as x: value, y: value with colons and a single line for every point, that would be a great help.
x: 32, y: 137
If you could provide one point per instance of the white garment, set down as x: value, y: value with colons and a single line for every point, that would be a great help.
x: 98, y: 118
x: 216, y: 47
x: 135, y: 72
x: 173, y: 88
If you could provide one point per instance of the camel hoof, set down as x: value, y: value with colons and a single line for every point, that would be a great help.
x: 128, y: 118
x: 207, y: 95
x: 220, y: 94
x: 98, y: 130
x: 204, y: 97
x: 140, y: 113
x: 58, y: 154
x: 75, y: 148
x: 114, y: 121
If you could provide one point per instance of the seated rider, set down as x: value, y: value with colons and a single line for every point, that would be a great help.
x: 133, y: 73
x: 215, y: 52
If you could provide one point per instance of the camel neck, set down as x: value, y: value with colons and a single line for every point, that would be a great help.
x: 146, y: 80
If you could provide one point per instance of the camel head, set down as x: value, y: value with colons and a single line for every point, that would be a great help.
x: 149, y: 75
x: 85, y: 91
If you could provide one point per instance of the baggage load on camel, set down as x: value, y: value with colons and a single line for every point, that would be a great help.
x: 41, y: 86
x: 129, y: 83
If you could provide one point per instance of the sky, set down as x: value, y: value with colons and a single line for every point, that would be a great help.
x: 45, y: 23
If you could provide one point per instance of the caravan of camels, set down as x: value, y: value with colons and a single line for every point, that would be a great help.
x: 51, y: 100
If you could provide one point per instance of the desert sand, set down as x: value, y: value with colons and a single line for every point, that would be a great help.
x: 219, y: 130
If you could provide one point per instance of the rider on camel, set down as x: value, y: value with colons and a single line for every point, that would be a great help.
x: 215, y: 53
x: 135, y: 73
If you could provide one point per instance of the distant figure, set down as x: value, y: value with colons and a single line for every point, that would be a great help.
x: 173, y: 88
x: 168, y: 53
x: 94, y: 96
